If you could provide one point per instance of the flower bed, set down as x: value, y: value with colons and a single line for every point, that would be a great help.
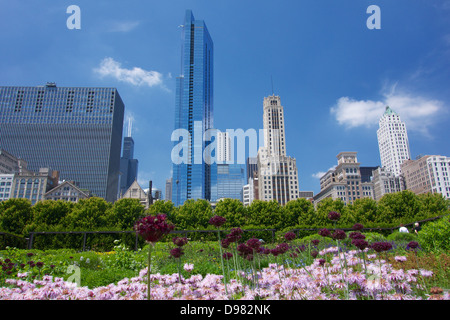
x: 347, y: 276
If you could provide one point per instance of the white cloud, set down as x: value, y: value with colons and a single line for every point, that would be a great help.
x: 320, y: 174
x: 123, y: 26
x: 136, y: 76
x: 417, y: 112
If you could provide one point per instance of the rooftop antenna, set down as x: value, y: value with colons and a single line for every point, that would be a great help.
x: 271, y: 80
x: 130, y: 124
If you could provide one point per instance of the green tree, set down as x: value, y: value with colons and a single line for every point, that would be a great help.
x: 15, y: 214
x: 88, y: 214
x: 433, y: 205
x: 50, y: 212
x: 125, y: 212
x: 161, y: 206
x: 363, y: 210
x: 400, y: 207
x: 327, y: 205
x: 265, y: 214
x: 299, y: 211
x: 193, y: 214
x: 233, y: 211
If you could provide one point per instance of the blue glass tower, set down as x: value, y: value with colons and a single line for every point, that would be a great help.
x: 74, y: 130
x: 194, y: 178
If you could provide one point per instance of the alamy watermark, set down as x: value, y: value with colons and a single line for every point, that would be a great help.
x: 199, y: 147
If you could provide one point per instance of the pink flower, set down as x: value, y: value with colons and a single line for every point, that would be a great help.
x: 188, y: 267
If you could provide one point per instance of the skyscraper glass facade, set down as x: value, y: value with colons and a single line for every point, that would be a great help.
x: 74, y: 130
x: 230, y: 181
x: 194, y: 178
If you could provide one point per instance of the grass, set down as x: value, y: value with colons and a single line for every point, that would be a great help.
x: 98, y: 269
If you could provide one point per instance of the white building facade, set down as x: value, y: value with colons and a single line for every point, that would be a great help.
x: 392, y: 141
x: 277, y: 173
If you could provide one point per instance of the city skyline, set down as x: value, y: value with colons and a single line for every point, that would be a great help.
x: 335, y: 75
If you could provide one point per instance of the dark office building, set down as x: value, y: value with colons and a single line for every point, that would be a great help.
x: 128, y: 166
x: 74, y: 130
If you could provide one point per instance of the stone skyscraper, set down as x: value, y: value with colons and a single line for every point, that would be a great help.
x: 277, y: 173
x: 194, y: 178
x: 392, y: 141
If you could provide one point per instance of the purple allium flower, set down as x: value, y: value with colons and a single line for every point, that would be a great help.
x: 153, y: 228
x: 282, y: 248
x: 39, y: 264
x: 360, y: 243
x: 227, y: 255
x: 339, y: 234
x: 412, y: 245
x: 324, y: 232
x: 358, y: 227
x: 381, y: 246
x: 179, y: 241
x: 225, y: 243
x: 244, y: 250
x: 315, y: 242
x: 235, y: 234
x: 314, y: 253
x: 176, y: 252
x: 321, y: 262
x: 334, y: 216
x: 293, y: 255
x: 7, y: 260
x: 289, y: 236
x: 30, y: 254
x: 217, y: 221
x: 254, y: 243
x: 356, y: 235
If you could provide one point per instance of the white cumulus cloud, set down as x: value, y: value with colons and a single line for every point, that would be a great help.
x: 417, y: 112
x: 135, y: 76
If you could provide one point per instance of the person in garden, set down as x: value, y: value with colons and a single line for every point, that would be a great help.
x: 403, y: 229
x: 416, y: 228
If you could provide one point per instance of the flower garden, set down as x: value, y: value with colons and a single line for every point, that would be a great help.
x: 332, y: 265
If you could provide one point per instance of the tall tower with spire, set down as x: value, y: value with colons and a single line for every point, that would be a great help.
x: 392, y: 141
x: 277, y: 173
x: 128, y: 165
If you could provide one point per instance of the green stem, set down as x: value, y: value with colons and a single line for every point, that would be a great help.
x: 149, y: 270
x: 221, y: 260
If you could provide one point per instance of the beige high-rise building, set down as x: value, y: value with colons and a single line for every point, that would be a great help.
x: 429, y: 173
x: 277, y: 173
x: 384, y: 181
x: 344, y: 181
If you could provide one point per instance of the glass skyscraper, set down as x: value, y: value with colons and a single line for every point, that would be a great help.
x: 194, y: 178
x: 74, y: 130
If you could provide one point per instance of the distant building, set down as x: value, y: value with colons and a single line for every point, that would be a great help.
x: 168, y: 196
x: 252, y: 167
x: 308, y: 195
x: 392, y: 141
x: 6, y: 182
x: 34, y: 186
x: 136, y: 192
x: 230, y: 181
x: 74, y: 130
x: 384, y: 181
x: 128, y: 165
x: 66, y: 191
x: 11, y: 164
x: 428, y: 174
x: 344, y: 181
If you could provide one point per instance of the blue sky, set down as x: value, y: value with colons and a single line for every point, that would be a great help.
x: 333, y: 74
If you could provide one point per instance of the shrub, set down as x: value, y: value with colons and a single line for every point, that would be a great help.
x: 401, y: 236
x: 436, y: 235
